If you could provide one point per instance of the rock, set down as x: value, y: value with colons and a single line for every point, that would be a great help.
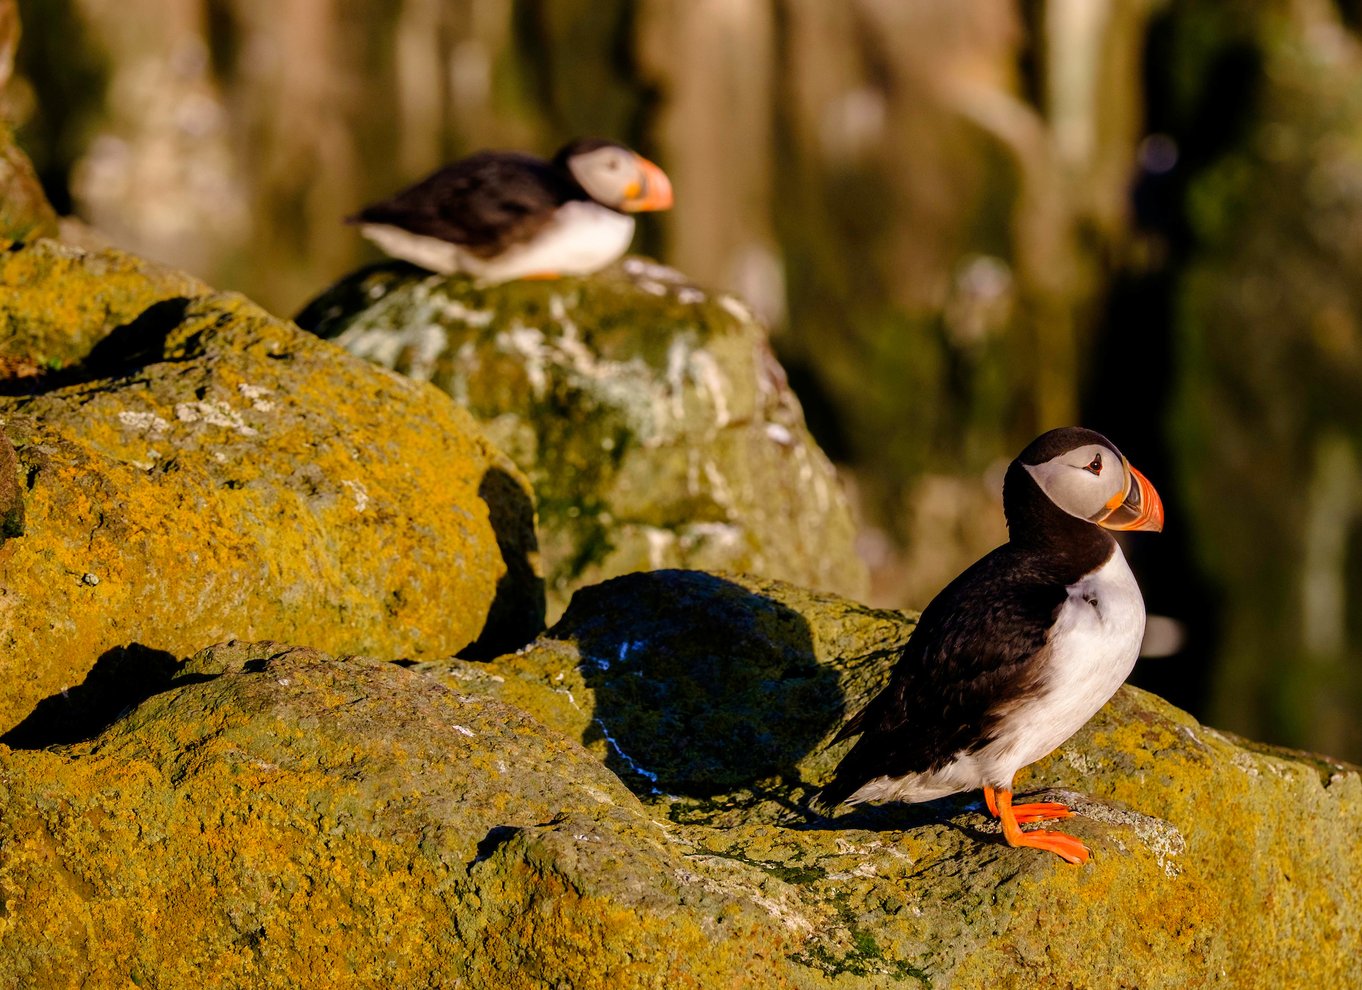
x: 283, y: 818
x: 1200, y: 875
x: 25, y: 213
x: 199, y: 470
x: 11, y: 492
x: 280, y: 817
x: 691, y: 683
x: 652, y: 418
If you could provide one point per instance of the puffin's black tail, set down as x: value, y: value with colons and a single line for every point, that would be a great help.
x: 836, y: 792
x: 846, y: 779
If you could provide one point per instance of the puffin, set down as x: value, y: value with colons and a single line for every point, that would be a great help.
x: 1016, y: 654
x: 500, y: 215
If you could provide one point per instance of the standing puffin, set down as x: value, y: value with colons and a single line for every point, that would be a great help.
x: 1019, y: 651
x: 499, y: 215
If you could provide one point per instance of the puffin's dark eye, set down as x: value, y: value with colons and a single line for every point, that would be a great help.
x: 1095, y: 465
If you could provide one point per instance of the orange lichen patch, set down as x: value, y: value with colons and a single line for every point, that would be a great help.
x: 364, y: 851
x: 240, y: 479
x: 57, y: 301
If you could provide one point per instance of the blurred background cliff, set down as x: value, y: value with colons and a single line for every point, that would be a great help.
x: 965, y: 221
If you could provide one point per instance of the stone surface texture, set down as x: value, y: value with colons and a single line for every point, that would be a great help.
x: 651, y: 416
x: 196, y: 470
x: 279, y: 817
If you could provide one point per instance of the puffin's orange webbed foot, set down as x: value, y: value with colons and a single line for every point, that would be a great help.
x: 1025, y: 814
x: 1064, y: 846
x: 541, y: 277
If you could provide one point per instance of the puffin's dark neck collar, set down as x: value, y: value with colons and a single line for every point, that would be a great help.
x: 1037, y: 525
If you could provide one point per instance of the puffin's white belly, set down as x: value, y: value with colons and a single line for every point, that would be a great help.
x: 1092, y: 647
x: 582, y: 238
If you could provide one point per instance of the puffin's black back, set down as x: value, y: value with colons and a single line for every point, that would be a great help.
x: 486, y: 203
x: 980, y: 643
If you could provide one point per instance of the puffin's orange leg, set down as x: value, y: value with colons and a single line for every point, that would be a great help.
x: 1027, y: 813
x: 541, y: 277
x: 1066, y: 847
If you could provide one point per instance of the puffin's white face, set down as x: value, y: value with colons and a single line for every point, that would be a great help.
x: 616, y: 177
x: 1096, y: 483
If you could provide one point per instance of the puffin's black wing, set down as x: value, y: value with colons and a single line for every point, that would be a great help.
x: 486, y: 203
x: 975, y: 649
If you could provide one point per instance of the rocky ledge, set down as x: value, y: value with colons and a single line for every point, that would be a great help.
x: 192, y: 469
x: 280, y: 817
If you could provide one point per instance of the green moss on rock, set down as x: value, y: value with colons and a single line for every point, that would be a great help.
x: 651, y: 416
x: 280, y: 817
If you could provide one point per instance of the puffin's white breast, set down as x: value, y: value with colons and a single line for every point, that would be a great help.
x: 583, y: 237
x: 1093, y: 644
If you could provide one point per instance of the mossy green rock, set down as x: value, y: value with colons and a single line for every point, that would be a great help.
x: 199, y: 471
x: 652, y: 418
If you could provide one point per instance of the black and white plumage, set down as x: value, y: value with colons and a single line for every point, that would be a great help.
x: 500, y: 215
x: 1020, y: 650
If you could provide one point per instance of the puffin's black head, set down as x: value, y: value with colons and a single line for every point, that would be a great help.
x: 1072, y: 473
x: 614, y: 176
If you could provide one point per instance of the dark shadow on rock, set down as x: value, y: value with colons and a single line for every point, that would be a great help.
x: 701, y: 685
x: 330, y: 313
x: 517, y: 612
x: 127, y: 348
x: 135, y: 344
x: 120, y: 680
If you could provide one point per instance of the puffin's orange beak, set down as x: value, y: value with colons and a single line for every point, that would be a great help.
x: 1139, y: 508
x: 652, y: 191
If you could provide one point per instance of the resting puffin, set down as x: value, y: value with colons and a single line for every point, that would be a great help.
x: 1019, y: 651
x: 498, y: 215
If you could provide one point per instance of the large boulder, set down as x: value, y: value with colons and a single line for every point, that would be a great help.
x: 1215, y: 858
x: 280, y: 817
x: 651, y: 416
x: 283, y: 818
x: 196, y: 470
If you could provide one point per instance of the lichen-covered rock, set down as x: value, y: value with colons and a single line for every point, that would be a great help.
x: 200, y: 471
x: 283, y: 818
x: 11, y: 492
x: 1217, y: 862
x: 652, y: 418
x: 25, y: 213
x: 685, y: 682
x: 279, y: 817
